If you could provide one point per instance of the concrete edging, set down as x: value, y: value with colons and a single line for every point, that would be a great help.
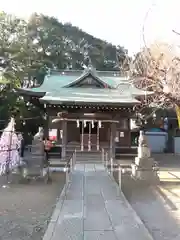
x: 136, y: 217
x: 54, y: 217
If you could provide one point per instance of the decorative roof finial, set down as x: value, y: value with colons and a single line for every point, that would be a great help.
x: 87, y: 58
x: 89, y: 62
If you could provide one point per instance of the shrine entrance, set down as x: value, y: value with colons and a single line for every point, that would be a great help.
x: 89, y: 135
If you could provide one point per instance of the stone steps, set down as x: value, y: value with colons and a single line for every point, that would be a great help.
x: 126, y: 153
x: 90, y: 157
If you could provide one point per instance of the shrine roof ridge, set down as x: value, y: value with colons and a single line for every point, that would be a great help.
x: 71, y: 72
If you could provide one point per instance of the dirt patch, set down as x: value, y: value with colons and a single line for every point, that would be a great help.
x: 25, y: 209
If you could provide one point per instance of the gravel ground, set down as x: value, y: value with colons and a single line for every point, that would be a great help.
x: 25, y: 209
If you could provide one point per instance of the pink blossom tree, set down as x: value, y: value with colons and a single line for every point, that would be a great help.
x: 9, y: 144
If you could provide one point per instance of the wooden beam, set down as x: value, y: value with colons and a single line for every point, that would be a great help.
x: 88, y: 120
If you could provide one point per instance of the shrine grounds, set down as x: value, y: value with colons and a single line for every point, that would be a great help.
x: 25, y: 209
x: 158, y: 206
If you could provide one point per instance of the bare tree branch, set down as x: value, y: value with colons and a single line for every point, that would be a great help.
x: 175, y: 32
x: 159, y: 72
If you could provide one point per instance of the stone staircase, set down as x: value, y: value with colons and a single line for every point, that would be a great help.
x: 55, y: 152
x: 88, y: 157
x: 81, y: 157
x: 125, y: 153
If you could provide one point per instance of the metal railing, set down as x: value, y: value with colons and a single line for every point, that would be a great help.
x: 69, y: 167
x: 104, y: 157
x: 111, y: 168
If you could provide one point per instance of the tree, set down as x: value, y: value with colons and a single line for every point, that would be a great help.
x: 16, y: 52
x: 66, y: 46
x: 157, y: 69
x: 29, y: 48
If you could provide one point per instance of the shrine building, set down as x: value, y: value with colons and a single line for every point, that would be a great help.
x: 88, y: 110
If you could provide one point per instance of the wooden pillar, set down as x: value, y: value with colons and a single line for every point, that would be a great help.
x: 46, y: 122
x: 112, y: 140
x: 89, y: 137
x: 98, y: 136
x: 64, y: 139
x: 129, y: 132
x: 58, y: 134
x: 46, y: 126
x: 82, y: 136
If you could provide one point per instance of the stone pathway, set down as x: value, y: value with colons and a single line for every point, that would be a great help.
x: 92, y: 208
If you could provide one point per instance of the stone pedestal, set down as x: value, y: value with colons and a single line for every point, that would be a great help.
x: 144, y: 152
x: 143, y: 168
x: 35, y: 159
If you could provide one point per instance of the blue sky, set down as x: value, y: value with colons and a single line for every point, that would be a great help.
x: 117, y: 21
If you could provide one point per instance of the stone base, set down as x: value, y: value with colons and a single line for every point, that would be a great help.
x: 144, y: 162
x: 144, y: 151
x: 144, y: 174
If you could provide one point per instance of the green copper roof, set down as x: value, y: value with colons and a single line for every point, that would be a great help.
x: 81, y: 95
x: 65, y: 87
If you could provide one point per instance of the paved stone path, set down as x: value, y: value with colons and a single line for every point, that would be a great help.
x: 92, y: 207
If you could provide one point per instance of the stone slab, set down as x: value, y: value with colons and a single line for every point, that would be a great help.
x: 99, y: 235
x: 93, y: 207
x: 68, y: 227
x: 72, y: 207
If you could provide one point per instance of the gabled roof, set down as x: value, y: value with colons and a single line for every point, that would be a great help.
x: 92, y: 96
x: 65, y: 87
x: 89, y: 72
